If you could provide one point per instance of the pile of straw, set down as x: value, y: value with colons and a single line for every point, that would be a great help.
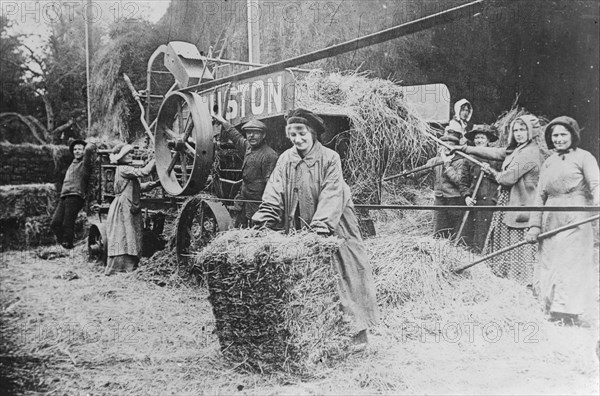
x: 414, y: 278
x: 275, y: 299
x: 386, y: 133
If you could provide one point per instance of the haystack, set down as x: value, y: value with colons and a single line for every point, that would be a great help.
x: 274, y: 298
x: 25, y: 200
x: 386, y: 133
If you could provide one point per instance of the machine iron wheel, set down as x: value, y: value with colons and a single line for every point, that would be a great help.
x: 98, y: 243
x: 198, y: 222
x: 183, y: 143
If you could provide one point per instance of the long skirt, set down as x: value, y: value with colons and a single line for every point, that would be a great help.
x: 121, y: 263
x: 516, y: 264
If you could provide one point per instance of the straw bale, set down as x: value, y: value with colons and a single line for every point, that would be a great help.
x: 26, y: 200
x: 275, y: 299
x: 386, y: 133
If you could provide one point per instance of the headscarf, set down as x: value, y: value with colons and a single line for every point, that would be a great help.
x: 568, y: 123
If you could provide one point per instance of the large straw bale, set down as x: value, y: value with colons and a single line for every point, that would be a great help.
x: 26, y: 200
x: 275, y: 299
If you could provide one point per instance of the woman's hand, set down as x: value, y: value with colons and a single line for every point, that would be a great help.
x: 532, y: 234
x: 470, y: 201
x: 446, y: 157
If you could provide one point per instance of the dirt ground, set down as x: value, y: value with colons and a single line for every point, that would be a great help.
x: 68, y: 329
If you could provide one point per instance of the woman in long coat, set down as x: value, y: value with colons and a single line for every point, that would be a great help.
x: 569, y: 177
x: 518, y: 180
x: 478, y: 223
x: 307, y: 190
x: 124, y: 230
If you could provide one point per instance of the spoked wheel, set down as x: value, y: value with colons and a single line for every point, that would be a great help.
x: 97, y: 244
x: 198, y: 223
x: 183, y: 143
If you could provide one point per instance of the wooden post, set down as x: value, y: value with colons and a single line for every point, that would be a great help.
x: 253, y: 31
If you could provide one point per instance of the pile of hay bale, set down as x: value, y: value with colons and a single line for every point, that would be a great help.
x: 26, y: 213
x: 30, y: 163
x: 386, y: 132
x: 275, y: 299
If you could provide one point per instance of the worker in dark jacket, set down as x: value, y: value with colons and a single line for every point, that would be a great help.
x: 259, y: 162
x: 73, y: 192
x: 446, y: 185
x: 478, y: 223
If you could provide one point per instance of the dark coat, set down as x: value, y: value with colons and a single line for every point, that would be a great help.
x: 258, y: 164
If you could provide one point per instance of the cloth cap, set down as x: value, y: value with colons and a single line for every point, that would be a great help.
x: 487, y: 130
x: 306, y: 117
x: 568, y: 123
x: 76, y: 142
x: 119, y: 152
x: 255, y: 125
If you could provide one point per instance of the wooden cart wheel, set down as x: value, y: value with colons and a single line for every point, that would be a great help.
x: 98, y: 244
x: 183, y: 143
x: 198, y: 223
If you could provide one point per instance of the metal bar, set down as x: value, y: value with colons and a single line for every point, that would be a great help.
x: 486, y: 208
x: 516, y: 245
x: 250, y: 64
x: 460, y: 207
x: 449, y: 147
x: 414, y: 170
x: 437, y: 19
x: 136, y: 96
x: 466, y: 215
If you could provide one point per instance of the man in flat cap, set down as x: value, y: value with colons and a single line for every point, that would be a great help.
x: 259, y: 162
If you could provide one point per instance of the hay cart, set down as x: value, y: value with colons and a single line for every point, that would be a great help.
x: 199, y: 174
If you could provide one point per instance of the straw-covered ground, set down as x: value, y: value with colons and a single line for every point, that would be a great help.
x: 68, y: 329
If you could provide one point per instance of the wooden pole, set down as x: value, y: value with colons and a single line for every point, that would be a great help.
x: 253, y: 31
x: 466, y: 215
x: 88, y: 60
x: 516, y: 245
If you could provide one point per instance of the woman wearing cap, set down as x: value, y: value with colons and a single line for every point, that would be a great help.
x: 518, y: 179
x: 124, y: 229
x: 569, y: 177
x: 307, y: 190
x: 478, y: 223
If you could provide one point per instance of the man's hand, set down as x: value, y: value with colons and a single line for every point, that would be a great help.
x: 470, y: 201
x: 219, y: 119
x: 532, y: 234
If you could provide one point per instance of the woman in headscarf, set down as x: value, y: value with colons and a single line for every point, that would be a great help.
x: 124, y: 220
x: 569, y: 177
x: 307, y: 191
x: 478, y: 223
x: 518, y: 179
